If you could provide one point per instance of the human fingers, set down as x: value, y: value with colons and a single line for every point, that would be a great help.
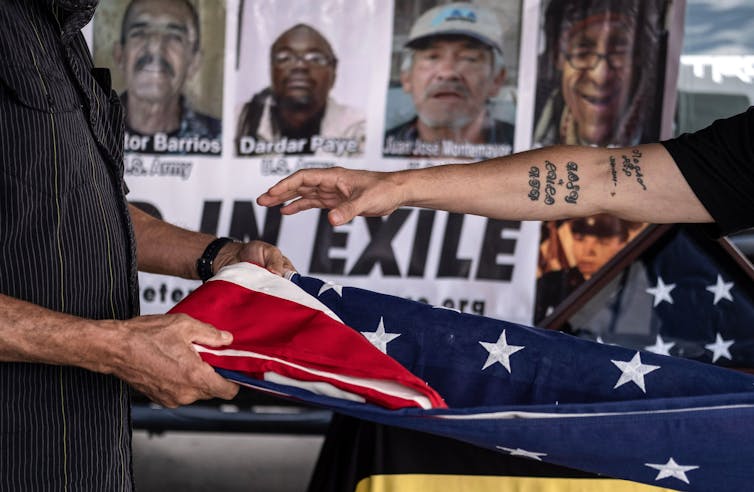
x: 206, y: 383
x: 264, y: 254
x: 278, y: 263
x: 341, y: 215
x: 202, y: 381
x: 308, y: 203
x: 295, y: 184
x: 208, y: 335
x: 268, y: 200
x: 157, y: 356
x: 219, y: 387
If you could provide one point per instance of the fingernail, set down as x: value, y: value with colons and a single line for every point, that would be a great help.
x: 226, y: 336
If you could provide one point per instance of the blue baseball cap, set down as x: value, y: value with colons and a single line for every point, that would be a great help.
x: 462, y: 19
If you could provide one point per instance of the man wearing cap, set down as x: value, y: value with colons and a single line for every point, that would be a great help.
x: 296, y: 115
x: 452, y: 65
x: 595, y: 240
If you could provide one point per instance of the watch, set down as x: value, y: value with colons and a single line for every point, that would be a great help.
x: 204, y: 263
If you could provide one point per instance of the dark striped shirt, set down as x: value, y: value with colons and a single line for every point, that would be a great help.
x: 66, y: 243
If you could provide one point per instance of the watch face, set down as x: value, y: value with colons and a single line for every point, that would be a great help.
x: 203, y: 269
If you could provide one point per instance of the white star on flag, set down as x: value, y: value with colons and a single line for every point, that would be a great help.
x: 661, y: 292
x: 633, y: 371
x: 660, y: 347
x: 671, y: 469
x: 522, y: 452
x: 500, y: 352
x: 721, y: 290
x: 330, y: 285
x: 720, y: 348
x: 380, y: 338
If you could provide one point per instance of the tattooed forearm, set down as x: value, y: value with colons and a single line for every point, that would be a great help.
x: 614, y: 174
x: 534, y: 183
x: 552, y: 182
x: 573, y: 188
x: 552, y: 176
x: 631, y: 167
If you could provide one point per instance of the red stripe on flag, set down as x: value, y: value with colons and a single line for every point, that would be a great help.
x: 286, y: 330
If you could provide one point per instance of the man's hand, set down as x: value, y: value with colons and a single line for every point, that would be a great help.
x: 259, y: 252
x: 155, y: 355
x: 346, y: 192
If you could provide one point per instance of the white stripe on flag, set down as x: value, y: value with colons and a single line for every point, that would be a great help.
x: 316, y: 387
x: 543, y: 415
x: 383, y: 386
x: 258, y: 279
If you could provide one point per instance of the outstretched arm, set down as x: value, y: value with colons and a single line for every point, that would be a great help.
x: 640, y: 183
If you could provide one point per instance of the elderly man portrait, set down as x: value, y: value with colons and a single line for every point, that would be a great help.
x: 158, y: 52
x: 297, y: 106
x: 452, y: 66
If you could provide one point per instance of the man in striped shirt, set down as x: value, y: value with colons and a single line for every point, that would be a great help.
x: 71, y: 341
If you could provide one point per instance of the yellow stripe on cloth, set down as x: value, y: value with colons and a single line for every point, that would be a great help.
x: 468, y: 483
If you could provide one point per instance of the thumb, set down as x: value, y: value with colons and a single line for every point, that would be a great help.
x: 212, y: 337
x: 342, y: 214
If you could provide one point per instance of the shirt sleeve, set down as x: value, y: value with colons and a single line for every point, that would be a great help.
x: 718, y: 164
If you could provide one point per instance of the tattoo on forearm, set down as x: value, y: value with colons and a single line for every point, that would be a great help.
x: 551, y: 182
x: 573, y: 188
x: 631, y: 167
x: 614, y: 174
x: 534, y: 183
x: 552, y: 176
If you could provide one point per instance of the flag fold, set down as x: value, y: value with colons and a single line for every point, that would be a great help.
x: 515, y: 389
x: 282, y: 334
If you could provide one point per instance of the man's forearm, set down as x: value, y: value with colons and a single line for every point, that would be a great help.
x: 636, y: 183
x: 152, y: 353
x: 30, y: 333
x: 165, y: 248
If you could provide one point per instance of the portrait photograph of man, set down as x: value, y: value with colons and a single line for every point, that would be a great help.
x: 453, y: 80
x: 168, y: 76
x: 294, y: 100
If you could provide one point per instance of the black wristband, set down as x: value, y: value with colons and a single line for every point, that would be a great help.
x: 204, y: 263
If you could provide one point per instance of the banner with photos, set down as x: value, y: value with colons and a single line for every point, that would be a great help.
x: 225, y: 97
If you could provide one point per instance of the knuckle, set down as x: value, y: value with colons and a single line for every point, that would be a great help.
x: 169, y: 404
x: 187, y: 398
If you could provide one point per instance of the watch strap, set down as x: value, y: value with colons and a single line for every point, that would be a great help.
x: 204, y: 262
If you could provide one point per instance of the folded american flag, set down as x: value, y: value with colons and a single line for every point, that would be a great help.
x: 519, y: 390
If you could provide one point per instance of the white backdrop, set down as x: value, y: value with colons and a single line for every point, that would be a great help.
x: 451, y: 267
